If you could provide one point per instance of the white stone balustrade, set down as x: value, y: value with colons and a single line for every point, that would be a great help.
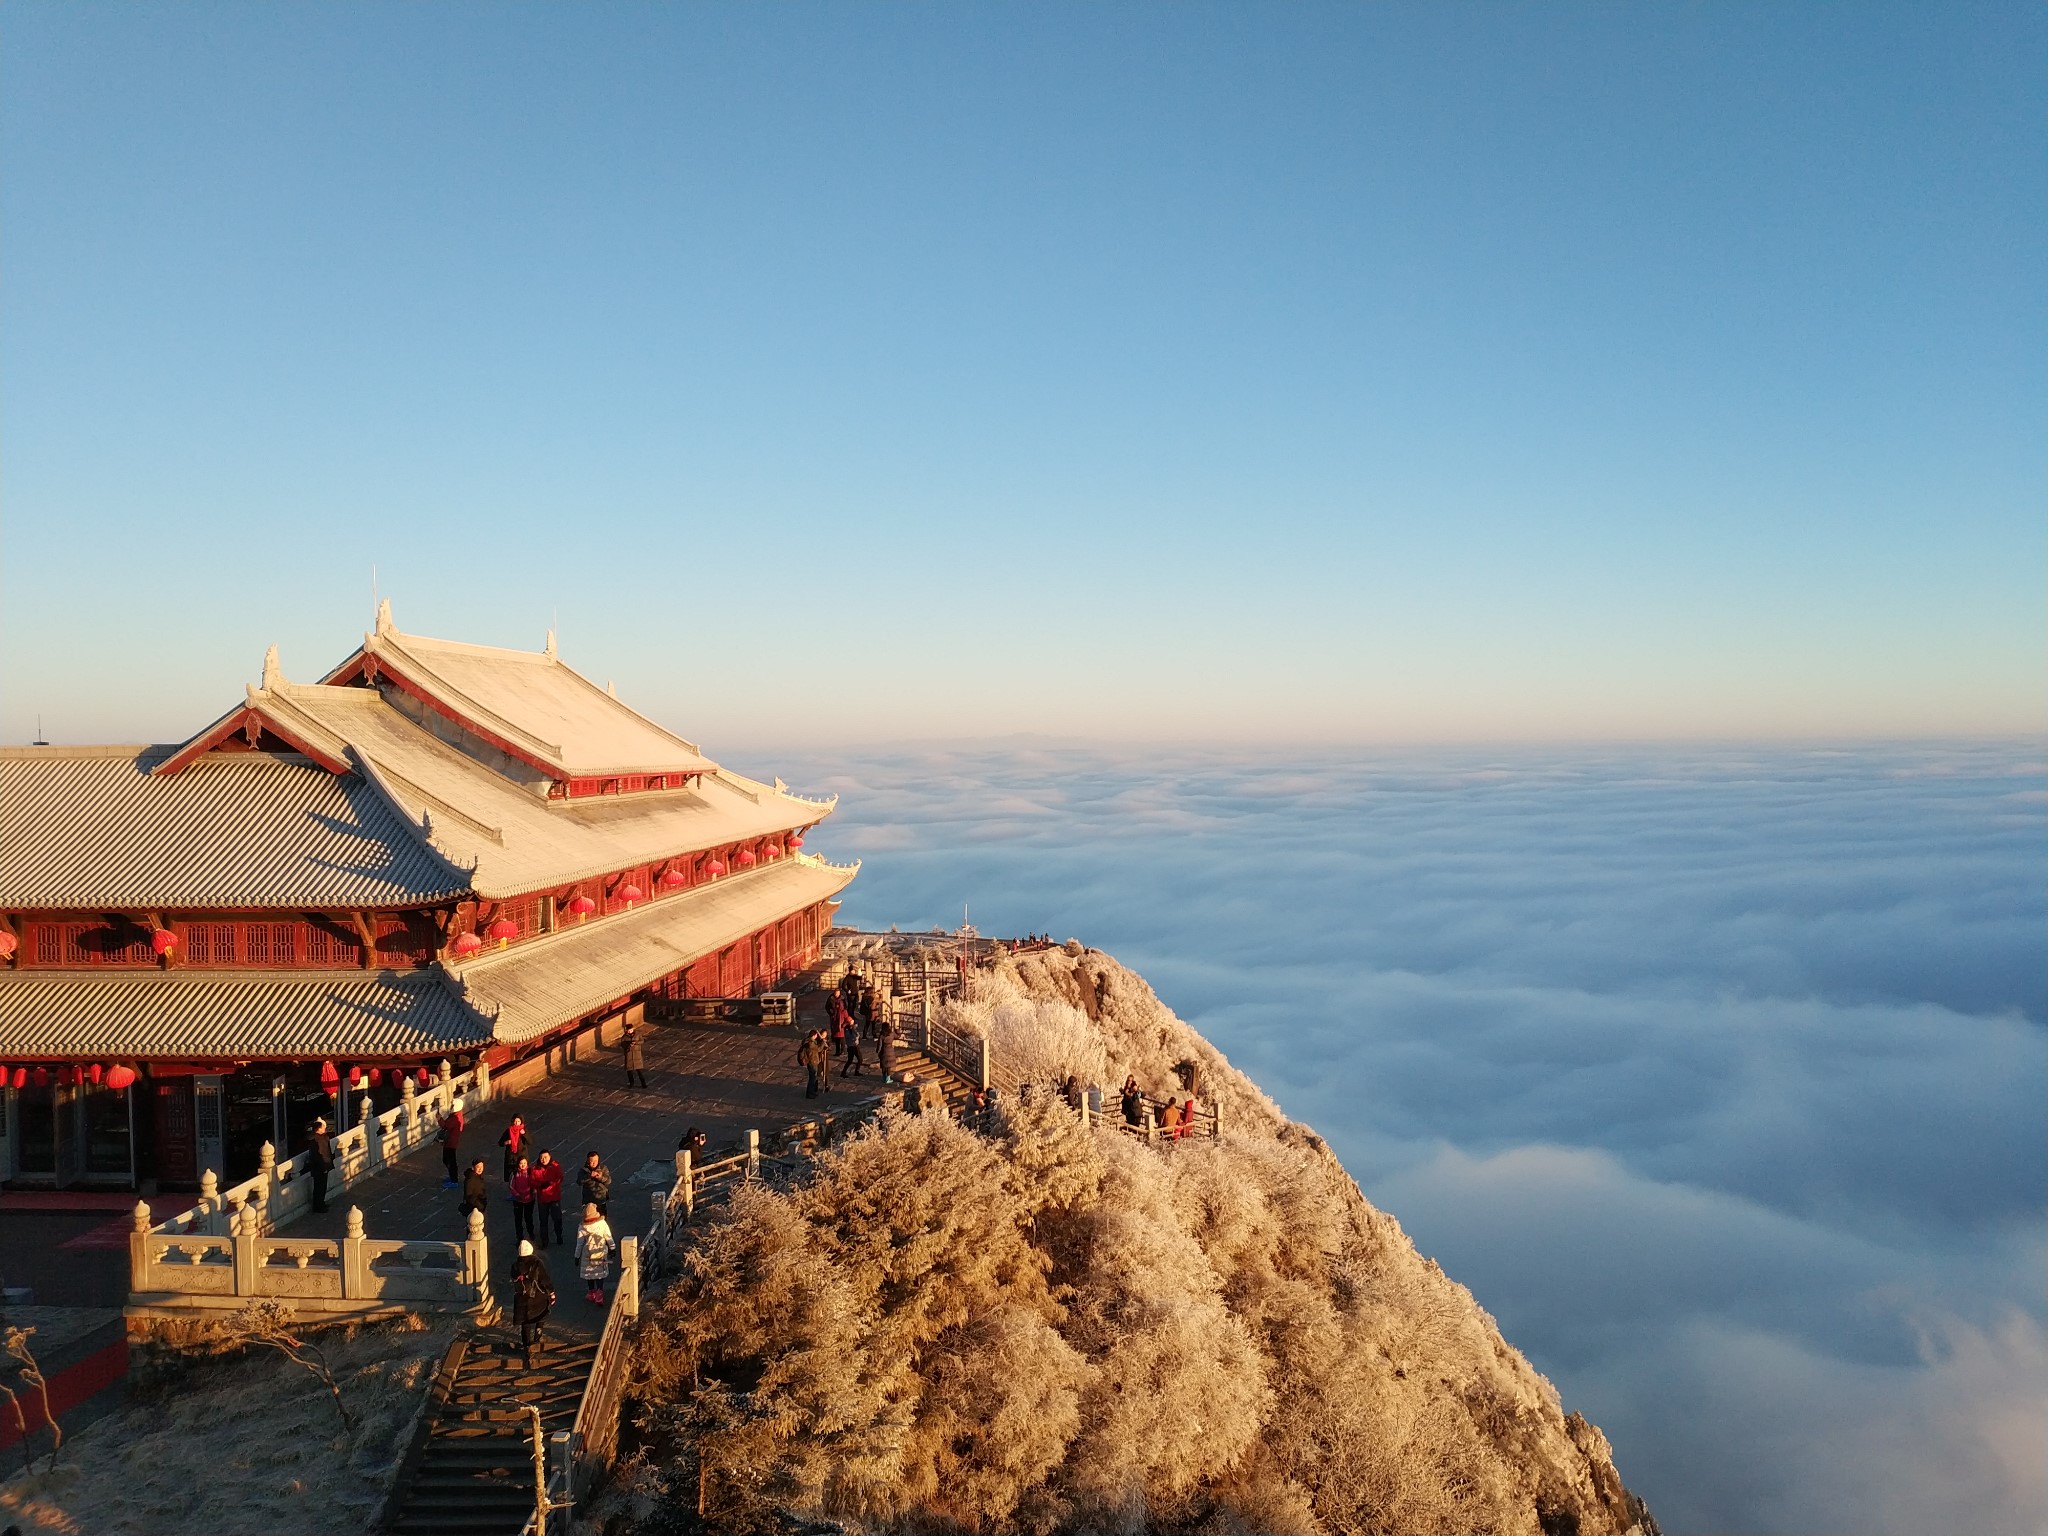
x: 280, y: 1192
x: 353, y: 1273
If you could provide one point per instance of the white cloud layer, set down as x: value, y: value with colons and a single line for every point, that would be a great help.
x: 1720, y: 1075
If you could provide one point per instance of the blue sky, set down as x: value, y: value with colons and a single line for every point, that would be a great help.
x: 1362, y: 372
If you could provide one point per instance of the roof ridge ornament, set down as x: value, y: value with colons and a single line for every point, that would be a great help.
x: 273, y: 673
x: 548, y: 650
x: 384, y: 624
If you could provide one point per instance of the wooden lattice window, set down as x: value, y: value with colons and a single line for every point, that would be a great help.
x: 270, y: 943
x: 210, y: 943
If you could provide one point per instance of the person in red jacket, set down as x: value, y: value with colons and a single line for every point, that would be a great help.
x: 547, y: 1198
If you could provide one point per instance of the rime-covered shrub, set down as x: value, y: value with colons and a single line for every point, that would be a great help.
x: 1055, y: 1329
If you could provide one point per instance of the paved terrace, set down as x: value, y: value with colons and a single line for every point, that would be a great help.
x: 725, y: 1079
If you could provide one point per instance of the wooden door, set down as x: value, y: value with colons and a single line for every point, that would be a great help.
x: 177, y: 1146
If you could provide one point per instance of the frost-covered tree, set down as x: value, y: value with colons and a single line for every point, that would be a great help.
x: 1056, y: 1329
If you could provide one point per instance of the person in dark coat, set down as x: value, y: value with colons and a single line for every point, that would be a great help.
x: 594, y: 1180
x: 533, y: 1294
x: 513, y: 1139
x: 476, y: 1190
x: 886, y: 1052
x: 636, y: 1064
x: 693, y: 1142
x: 814, y: 1059
x: 449, y: 1134
x: 1134, y: 1103
x: 855, y: 1065
x: 319, y: 1161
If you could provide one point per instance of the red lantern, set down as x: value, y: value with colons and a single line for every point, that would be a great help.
x: 7, y: 943
x: 422, y: 1079
x: 744, y: 857
x: 675, y: 876
x: 21, y: 1077
x: 119, y: 1077
x: 42, y: 1077
x: 772, y: 851
x: 582, y: 906
x: 163, y: 941
x: 330, y: 1078
x: 98, y: 1072
x: 355, y: 1077
x: 504, y: 928
x: 714, y: 869
x: 376, y: 1076
x: 467, y: 944
x: 631, y: 894
x: 796, y: 840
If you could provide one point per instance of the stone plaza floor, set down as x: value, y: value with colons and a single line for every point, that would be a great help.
x: 724, y: 1079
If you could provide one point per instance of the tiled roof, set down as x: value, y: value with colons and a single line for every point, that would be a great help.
x: 90, y: 827
x: 532, y: 987
x: 518, y: 840
x: 238, y: 1015
x: 536, y: 703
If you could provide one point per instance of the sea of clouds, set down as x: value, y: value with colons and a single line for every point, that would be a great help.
x: 1720, y: 1075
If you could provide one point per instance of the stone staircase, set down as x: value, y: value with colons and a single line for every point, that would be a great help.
x: 473, y: 1475
x: 957, y: 1089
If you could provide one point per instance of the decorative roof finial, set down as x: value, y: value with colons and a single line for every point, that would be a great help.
x: 611, y: 688
x: 384, y: 624
x: 273, y: 674
x: 548, y: 650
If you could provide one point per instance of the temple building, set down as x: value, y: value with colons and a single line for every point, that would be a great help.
x: 437, y: 852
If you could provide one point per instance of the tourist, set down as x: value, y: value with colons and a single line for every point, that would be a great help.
x: 448, y: 1131
x: 594, y: 1253
x: 814, y: 1059
x: 1169, y: 1119
x: 533, y: 1293
x: 513, y: 1139
x: 547, y: 1198
x: 1187, y: 1116
x: 693, y: 1142
x: 475, y: 1188
x: 886, y: 1054
x: 854, y: 1065
x: 1134, y: 1103
x: 913, y: 1094
x: 594, y: 1181
x: 319, y: 1160
x: 636, y: 1064
x: 521, y: 1185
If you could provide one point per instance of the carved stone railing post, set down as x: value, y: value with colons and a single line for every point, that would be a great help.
x: 753, y: 1154
x: 444, y: 1074
x: 476, y: 1269
x: 1151, y: 1128
x: 628, y: 1299
x: 269, y: 1182
x: 483, y: 1081
x: 355, y: 1268
x: 366, y: 1117
x: 245, y: 1235
x: 138, y: 1250
x: 210, y: 1204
